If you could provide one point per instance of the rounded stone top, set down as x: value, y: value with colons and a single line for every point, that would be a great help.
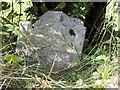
x: 55, y: 37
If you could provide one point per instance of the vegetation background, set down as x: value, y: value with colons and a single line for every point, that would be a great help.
x: 101, y: 52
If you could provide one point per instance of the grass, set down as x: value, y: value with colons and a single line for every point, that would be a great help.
x: 99, y: 68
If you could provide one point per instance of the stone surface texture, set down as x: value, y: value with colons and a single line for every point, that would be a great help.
x: 55, y: 37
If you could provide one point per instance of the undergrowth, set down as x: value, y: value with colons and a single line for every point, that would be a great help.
x: 99, y: 68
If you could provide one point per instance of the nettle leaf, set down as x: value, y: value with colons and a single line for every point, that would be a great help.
x: 10, y: 58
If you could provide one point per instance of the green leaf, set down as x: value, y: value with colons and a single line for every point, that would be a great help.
x: 79, y: 82
x: 9, y: 26
x: 95, y: 75
x: 105, y: 75
x: 101, y: 57
x: 35, y: 9
x: 6, y: 20
x: 100, y: 70
x: 71, y: 64
x: 12, y: 58
x: 44, y: 8
x: 12, y: 14
x: 17, y: 32
x: 60, y: 6
x: 4, y: 33
x: 5, y: 5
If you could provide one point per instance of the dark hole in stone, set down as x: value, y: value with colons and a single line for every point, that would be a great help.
x: 32, y: 26
x: 72, y: 33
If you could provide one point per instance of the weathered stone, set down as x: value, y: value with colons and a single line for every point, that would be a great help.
x: 55, y: 37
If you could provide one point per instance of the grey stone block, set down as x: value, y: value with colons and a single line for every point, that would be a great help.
x: 55, y: 37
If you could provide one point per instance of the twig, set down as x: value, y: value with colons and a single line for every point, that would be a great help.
x: 52, y: 66
x: 6, y: 76
x: 22, y: 78
x: 2, y: 84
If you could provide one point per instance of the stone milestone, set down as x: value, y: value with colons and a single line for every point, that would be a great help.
x: 55, y: 42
